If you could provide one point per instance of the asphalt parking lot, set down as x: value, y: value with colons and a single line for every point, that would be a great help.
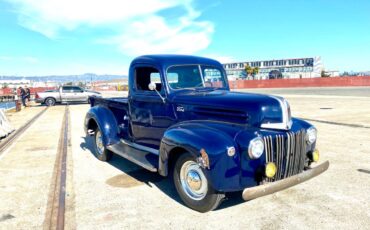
x: 121, y: 195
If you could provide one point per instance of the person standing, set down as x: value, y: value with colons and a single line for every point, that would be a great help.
x: 22, y: 95
x: 28, y: 94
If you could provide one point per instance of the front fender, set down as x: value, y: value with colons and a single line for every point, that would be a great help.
x: 224, y: 171
x: 105, y: 120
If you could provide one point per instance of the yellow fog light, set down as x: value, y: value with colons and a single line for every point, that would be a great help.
x: 270, y: 170
x: 315, y: 155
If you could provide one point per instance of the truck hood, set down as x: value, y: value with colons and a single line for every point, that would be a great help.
x: 244, y: 108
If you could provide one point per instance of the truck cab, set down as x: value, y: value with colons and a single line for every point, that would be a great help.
x: 181, y: 119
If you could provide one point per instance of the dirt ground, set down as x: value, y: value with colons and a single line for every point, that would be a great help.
x: 121, y: 195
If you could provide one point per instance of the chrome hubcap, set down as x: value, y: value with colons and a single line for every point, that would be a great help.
x: 99, y: 143
x: 193, y: 180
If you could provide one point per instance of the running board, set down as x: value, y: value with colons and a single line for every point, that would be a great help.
x: 144, y: 159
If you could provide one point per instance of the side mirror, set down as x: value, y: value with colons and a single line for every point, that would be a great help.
x: 152, y: 86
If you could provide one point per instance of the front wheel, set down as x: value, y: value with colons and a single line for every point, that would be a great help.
x: 101, y: 152
x: 50, y: 101
x: 192, y: 185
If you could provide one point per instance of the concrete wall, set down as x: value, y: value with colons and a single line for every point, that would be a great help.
x: 304, y: 82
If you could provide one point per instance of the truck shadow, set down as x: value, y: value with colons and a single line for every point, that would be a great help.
x: 134, y: 175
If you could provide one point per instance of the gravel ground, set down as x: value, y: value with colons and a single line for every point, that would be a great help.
x: 26, y: 170
x: 121, y: 195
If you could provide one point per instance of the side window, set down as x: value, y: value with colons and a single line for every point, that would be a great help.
x: 145, y: 75
x: 76, y: 89
x: 67, y: 89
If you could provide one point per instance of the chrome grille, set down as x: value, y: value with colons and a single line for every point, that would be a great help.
x: 288, y: 152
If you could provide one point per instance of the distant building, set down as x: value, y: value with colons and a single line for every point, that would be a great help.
x: 14, y: 83
x: 113, y: 84
x: 366, y: 73
x: 332, y: 73
x: 279, y: 68
x: 45, y: 84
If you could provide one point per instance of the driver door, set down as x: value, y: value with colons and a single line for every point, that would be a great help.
x: 79, y: 94
x: 150, y: 116
x: 67, y: 94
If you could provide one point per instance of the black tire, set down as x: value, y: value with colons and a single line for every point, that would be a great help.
x: 211, y: 199
x: 50, y: 101
x: 103, y: 154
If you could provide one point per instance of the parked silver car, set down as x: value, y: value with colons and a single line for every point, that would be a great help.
x: 65, y: 94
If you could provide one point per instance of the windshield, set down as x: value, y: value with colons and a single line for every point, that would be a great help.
x: 195, y: 76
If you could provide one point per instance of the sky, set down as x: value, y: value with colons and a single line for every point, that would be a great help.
x: 57, y: 37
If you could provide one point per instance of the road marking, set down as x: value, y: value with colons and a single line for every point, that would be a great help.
x: 337, y: 123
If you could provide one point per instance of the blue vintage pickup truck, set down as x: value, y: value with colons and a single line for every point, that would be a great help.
x: 181, y: 119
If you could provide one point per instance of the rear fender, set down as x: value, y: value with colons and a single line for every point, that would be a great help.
x: 223, y: 172
x: 105, y: 120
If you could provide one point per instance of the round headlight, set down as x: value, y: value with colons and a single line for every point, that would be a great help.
x: 255, y: 148
x: 311, y: 135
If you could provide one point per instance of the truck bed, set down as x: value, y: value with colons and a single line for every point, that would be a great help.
x: 119, y: 108
x: 110, y: 102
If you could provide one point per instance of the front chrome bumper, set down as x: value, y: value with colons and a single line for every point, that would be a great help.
x: 266, y: 189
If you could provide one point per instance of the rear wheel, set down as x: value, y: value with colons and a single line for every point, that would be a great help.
x: 192, y: 185
x: 101, y: 152
x: 50, y: 101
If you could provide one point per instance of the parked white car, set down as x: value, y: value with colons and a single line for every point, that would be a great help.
x: 65, y: 94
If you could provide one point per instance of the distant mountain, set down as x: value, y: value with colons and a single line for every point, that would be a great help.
x: 87, y: 77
